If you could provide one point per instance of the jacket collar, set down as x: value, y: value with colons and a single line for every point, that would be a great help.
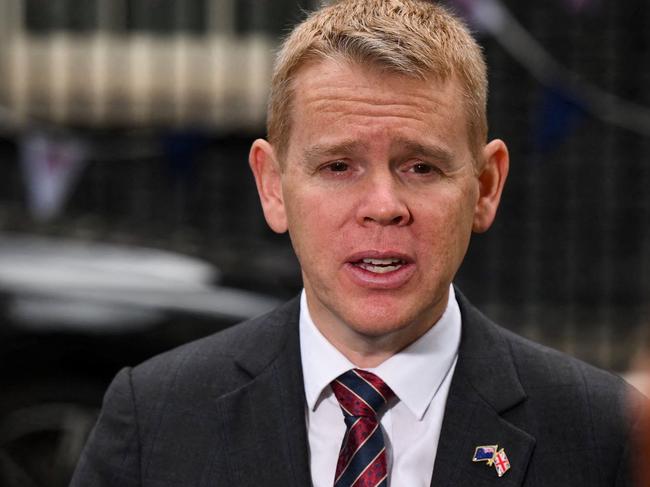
x: 264, y: 421
x: 486, y: 361
x: 484, y: 389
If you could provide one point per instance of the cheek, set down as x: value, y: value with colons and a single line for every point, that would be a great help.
x: 315, y: 222
x: 444, y: 224
x: 310, y: 204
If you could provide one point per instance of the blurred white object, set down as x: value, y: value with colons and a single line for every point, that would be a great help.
x: 96, y: 286
x: 51, y: 167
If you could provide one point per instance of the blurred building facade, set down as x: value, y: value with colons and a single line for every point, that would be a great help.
x: 139, y: 62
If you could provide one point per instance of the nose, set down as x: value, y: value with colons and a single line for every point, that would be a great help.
x: 382, y: 204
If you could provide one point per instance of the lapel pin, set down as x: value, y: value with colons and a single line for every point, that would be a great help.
x: 493, y: 457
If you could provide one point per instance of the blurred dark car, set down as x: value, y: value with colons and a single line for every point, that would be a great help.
x: 71, y: 315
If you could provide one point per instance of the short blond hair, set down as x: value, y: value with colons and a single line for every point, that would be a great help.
x: 414, y: 38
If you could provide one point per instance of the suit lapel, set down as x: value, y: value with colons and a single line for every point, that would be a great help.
x: 264, y: 421
x: 468, y: 423
x: 485, y: 388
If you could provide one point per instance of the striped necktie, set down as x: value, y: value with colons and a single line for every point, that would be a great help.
x: 362, y: 460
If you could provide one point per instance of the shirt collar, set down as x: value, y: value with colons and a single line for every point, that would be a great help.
x: 321, y: 361
x: 414, y: 374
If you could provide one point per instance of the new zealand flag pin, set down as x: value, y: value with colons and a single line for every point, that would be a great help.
x: 493, y: 457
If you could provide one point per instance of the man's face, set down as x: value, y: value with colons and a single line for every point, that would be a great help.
x: 379, y: 192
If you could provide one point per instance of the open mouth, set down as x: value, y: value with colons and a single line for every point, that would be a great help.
x: 380, y: 266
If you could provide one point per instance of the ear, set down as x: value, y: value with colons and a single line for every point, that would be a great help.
x: 268, y: 179
x: 491, y: 178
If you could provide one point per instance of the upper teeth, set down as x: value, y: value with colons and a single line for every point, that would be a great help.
x: 382, y: 261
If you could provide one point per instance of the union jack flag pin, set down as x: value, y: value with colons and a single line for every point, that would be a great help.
x: 501, y: 462
x: 492, y: 456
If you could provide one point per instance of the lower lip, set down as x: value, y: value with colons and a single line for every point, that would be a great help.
x: 389, y: 280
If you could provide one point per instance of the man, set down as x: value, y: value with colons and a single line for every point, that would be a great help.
x: 381, y: 373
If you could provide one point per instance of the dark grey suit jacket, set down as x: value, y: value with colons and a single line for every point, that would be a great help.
x: 228, y: 410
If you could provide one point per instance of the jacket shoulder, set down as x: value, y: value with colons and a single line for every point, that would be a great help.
x: 544, y: 370
x: 210, y: 366
x: 163, y: 421
x: 539, y: 369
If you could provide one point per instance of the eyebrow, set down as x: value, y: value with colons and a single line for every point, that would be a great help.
x: 427, y: 151
x: 338, y: 149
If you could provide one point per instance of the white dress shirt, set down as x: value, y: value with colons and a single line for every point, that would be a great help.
x: 419, y: 375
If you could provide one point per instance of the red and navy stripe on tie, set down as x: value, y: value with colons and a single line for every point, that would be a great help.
x: 362, y: 460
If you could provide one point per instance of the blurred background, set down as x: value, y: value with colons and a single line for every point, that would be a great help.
x: 129, y: 222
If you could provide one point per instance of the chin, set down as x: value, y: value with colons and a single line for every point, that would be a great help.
x: 383, y: 315
x: 377, y: 324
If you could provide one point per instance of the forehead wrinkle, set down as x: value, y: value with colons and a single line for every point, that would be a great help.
x: 371, y: 106
x: 343, y: 110
x: 356, y: 95
x: 405, y: 106
x: 413, y: 90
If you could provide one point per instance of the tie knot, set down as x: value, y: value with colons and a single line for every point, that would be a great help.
x: 361, y: 393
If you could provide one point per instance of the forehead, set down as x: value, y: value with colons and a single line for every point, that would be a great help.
x: 335, y: 100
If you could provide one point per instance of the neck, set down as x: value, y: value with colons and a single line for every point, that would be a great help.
x: 366, y: 347
x: 369, y: 339
x: 368, y: 352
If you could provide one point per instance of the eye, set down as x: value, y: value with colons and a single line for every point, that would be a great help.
x: 337, y: 166
x: 422, y: 168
